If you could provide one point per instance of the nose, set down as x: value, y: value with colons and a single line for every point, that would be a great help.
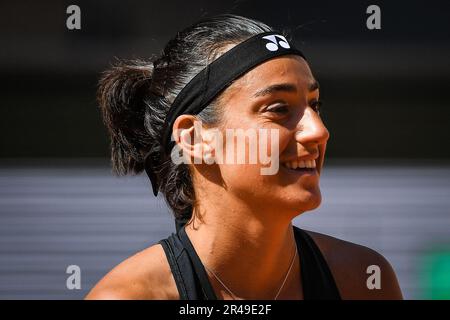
x: 311, y: 129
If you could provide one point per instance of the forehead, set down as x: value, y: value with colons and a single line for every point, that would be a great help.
x: 285, y: 69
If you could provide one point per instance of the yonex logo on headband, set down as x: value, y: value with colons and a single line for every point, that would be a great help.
x: 274, y: 42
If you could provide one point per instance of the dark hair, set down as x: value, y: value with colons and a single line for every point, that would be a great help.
x: 134, y: 97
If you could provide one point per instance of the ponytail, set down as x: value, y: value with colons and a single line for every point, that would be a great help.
x: 121, y: 96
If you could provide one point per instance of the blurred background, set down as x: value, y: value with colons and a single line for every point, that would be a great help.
x: 386, y: 103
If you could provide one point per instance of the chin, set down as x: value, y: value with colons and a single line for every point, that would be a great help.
x: 305, y: 200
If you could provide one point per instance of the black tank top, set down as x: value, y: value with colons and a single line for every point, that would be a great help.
x: 193, y: 283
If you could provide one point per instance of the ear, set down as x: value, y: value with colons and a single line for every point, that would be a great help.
x: 193, y: 140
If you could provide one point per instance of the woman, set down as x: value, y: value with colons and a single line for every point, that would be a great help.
x: 234, y: 239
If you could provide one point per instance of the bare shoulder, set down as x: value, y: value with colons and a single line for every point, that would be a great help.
x: 355, y: 266
x: 145, y: 275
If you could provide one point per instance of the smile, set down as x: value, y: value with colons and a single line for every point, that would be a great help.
x: 300, y: 164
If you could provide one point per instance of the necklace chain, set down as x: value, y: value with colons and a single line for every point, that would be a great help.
x: 279, y: 290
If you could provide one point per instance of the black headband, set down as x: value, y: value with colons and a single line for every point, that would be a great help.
x: 215, y: 78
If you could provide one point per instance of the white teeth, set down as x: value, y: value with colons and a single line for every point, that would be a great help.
x: 300, y: 164
x: 309, y: 164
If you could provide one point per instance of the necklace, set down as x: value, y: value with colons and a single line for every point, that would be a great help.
x: 279, y: 290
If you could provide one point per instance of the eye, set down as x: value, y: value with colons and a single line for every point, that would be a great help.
x: 279, y: 108
x: 316, y: 105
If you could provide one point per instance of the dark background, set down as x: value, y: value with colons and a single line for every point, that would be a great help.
x: 385, y: 92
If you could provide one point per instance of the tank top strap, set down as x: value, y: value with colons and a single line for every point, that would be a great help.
x: 199, y: 269
x: 181, y: 269
x: 317, y: 280
x: 187, y: 269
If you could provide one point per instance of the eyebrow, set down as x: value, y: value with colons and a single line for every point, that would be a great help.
x: 286, y: 87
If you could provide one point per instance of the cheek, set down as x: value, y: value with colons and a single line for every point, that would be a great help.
x: 251, y: 151
x: 246, y: 162
x: 241, y: 176
x: 286, y: 137
x: 247, y: 183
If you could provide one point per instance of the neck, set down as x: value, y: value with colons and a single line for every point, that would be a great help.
x: 250, y: 249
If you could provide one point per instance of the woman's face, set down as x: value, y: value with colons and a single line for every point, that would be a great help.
x: 280, y: 95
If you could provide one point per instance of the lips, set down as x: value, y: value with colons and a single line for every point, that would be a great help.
x: 305, y: 162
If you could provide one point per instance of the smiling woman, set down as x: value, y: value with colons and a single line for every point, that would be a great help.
x: 235, y: 238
